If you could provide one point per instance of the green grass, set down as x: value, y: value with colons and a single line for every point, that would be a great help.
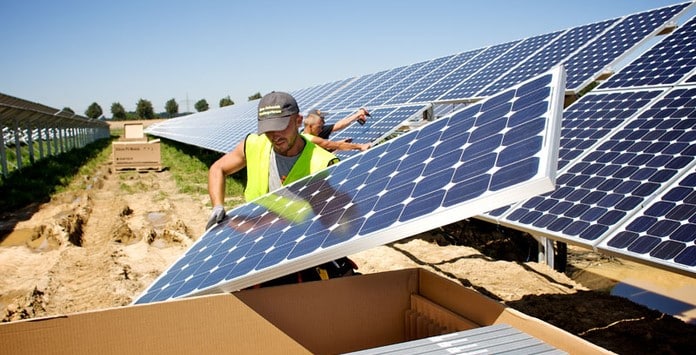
x: 189, y: 167
x: 54, y: 174
x: 36, y: 183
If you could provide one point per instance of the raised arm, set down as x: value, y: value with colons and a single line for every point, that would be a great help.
x: 337, y: 145
x: 346, y: 121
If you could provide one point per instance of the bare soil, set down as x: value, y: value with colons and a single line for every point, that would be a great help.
x: 101, y: 247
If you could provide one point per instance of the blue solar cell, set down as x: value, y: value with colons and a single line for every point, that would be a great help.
x: 405, y: 188
x: 620, y: 174
x: 583, y: 66
x: 331, y: 102
x: 499, y: 66
x: 549, y: 56
x: 384, y: 86
x: 354, y: 92
x: 407, y: 81
x: 663, y: 231
x: 423, y: 83
x: 215, y: 129
x: 312, y: 96
x: 591, y: 119
x: 458, y: 75
x: 668, y: 62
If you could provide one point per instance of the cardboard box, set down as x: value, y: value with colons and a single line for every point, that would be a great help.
x: 205, y: 325
x: 133, y: 131
x: 325, y: 317
x: 136, y: 155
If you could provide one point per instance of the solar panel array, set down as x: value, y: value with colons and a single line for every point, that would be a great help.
x: 492, y: 153
x: 586, y: 50
x: 218, y: 130
x: 28, y: 127
x: 626, y: 164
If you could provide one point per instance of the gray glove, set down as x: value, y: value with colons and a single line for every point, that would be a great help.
x: 216, y: 216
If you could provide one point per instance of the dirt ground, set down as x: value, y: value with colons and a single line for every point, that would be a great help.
x: 100, y: 248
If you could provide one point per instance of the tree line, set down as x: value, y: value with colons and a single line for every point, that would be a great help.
x: 144, y: 110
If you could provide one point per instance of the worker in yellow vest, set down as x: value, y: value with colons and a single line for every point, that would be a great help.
x: 276, y: 156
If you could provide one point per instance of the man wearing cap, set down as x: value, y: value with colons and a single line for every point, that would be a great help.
x: 276, y: 156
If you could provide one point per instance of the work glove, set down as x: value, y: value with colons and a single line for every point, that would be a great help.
x: 216, y: 216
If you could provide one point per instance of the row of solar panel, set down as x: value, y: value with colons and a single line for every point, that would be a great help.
x: 220, y: 130
x: 626, y: 163
x: 586, y: 51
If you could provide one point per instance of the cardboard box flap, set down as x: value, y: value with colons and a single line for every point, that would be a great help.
x: 218, y: 324
x: 486, y: 311
x: 339, y: 315
x: 463, y: 301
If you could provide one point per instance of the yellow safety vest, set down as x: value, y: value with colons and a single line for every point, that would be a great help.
x: 257, y: 149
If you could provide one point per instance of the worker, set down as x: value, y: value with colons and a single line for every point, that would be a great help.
x: 315, y: 122
x: 316, y: 130
x: 276, y: 156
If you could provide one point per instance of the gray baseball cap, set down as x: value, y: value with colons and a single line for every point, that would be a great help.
x: 275, y: 110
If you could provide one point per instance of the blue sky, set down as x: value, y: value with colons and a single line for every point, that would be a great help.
x: 76, y: 52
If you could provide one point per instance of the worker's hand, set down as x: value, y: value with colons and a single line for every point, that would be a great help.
x: 216, y: 216
x: 361, y: 115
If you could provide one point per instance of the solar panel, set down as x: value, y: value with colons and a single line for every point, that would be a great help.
x: 617, y: 177
x: 551, y: 55
x: 593, y: 118
x: 609, y: 48
x: 492, y: 339
x: 216, y: 129
x: 354, y: 86
x: 663, y: 232
x: 312, y: 97
x: 460, y: 74
x: 488, y: 154
x: 379, y: 100
x: 385, y: 85
x: 360, y: 91
x: 666, y: 63
x: 427, y: 80
x: 498, y: 67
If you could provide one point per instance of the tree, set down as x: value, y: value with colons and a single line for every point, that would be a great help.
x: 144, y: 109
x: 68, y: 109
x: 226, y: 101
x: 171, y: 107
x: 93, y: 111
x: 201, y: 105
x: 255, y: 96
x: 117, y: 111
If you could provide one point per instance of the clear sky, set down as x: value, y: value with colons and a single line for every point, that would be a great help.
x: 76, y: 52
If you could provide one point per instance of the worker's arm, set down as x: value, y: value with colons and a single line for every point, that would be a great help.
x: 346, y: 121
x: 337, y: 145
x: 228, y: 164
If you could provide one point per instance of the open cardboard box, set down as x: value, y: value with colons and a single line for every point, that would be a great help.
x: 334, y: 316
